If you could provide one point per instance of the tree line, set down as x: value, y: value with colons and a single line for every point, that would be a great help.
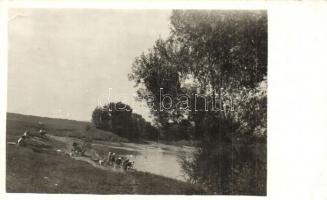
x: 125, y: 123
x: 120, y: 119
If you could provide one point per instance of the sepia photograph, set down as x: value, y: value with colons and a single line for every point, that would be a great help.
x: 137, y: 101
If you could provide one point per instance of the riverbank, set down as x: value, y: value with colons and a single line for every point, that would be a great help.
x: 34, y: 170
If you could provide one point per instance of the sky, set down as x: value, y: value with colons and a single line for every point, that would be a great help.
x: 63, y: 62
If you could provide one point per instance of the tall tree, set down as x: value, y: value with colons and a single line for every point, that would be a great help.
x: 213, y: 54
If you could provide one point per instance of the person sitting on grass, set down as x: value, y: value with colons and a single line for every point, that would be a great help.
x: 118, y: 162
x: 21, y: 141
x: 76, y: 150
x: 42, y: 132
x: 26, y: 134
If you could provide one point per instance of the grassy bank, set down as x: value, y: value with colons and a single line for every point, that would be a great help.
x: 17, y: 123
x: 53, y: 172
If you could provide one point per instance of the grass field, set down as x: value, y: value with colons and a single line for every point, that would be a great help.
x: 41, y: 169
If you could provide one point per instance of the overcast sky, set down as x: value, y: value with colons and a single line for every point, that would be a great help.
x: 63, y: 62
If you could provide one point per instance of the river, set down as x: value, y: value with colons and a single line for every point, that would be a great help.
x: 154, y: 157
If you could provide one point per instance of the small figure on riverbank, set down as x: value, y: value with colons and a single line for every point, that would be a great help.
x: 101, y: 162
x: 118, y: 162
x: 26, y: 134
x: 108, y: 162
x: 42, y: 132
x: 129, y: 165
x: 21, y: 141
x: 76, y: 150
x: 113, y: 158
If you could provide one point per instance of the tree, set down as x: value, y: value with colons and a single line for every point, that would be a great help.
x: 101, y: 118
x: 223, y: 54
x: 119, y: 118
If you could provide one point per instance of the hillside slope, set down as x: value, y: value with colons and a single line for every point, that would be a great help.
x: 17, y: 123
x: 44, y: 170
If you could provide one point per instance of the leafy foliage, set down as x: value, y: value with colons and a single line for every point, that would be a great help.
x: 100, y: 118
x: 214, y: 54
x: 119, y: 118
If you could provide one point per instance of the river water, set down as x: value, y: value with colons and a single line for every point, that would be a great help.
x: 155, y: 158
